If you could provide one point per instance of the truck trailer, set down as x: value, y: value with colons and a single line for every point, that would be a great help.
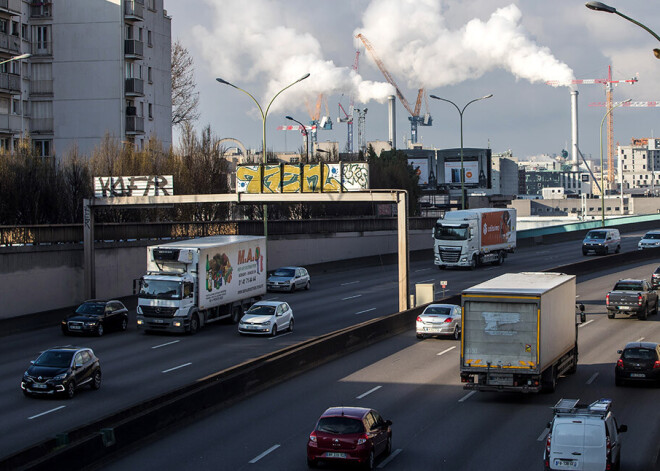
x: 519, y: 332
x: 471, y: 237
x: 193, y: 282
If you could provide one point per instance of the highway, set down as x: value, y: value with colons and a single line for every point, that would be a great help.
x: 436, y: 424
x: 137, y: 367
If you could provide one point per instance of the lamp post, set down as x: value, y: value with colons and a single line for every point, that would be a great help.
x: 460, y: 112
x: 303, y: 129
x: 598, y: 6
x: 602, y: 172
x: 263, y: 135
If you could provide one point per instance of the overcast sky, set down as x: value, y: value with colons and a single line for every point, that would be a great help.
x: 458, y: 50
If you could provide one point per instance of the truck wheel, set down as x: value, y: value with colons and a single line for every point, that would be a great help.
x: 500, y: 258
x: 236, y: 314
x: 194, y: 324
x: 643, y: 314
x: 473, y: 262
x: 549, y: 380
x: 655, y: 311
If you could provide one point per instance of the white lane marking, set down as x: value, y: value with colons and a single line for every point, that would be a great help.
x: 467, y: 396
x: 593, y: 378
x: 165, y: 344
x: 270, y: 450
x: 47, y: 412
x: 448, y: 350
x: 426, y: 281
x: 280, y: 335
x: 422, y: 269
x: 389, y: 458
x: 585, y: 323
x: 176, y: 367
x: 367, y: 310
x: 369, y: 392
x: 639, y: 339
x: 543, y: 435
x: 352, y: 297
x: 349, y: 283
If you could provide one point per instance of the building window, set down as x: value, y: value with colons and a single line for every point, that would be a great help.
x: 149, y: 75
x: 140, y: 38
x: 41, y: 40
x: 149, y: 38
x: 151, y: 5
x: 24, y: 31
x: 16, y: 106
x: 151, y: 111
x: 15, y: 29
x: 42, y: 147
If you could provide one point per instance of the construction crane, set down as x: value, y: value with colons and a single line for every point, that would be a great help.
x: 318, y: 121
x: 414, y: 118
x: 348, y: 117
x: 608, y: 82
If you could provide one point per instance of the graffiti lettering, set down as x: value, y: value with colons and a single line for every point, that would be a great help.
x: 150, y: 185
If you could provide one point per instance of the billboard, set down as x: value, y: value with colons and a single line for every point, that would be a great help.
x: 421, y: 169
x: 453, y: 172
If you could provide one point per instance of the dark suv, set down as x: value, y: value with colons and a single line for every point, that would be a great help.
x: 95, y: 317
x: 62, y: 370
x: 655, y: 279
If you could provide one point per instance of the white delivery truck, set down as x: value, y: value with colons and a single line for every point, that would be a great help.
x: 192, y: 282
x: 470, y: 237
x: 519, y: 332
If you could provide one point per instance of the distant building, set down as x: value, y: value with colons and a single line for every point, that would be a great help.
x: 639, y: 165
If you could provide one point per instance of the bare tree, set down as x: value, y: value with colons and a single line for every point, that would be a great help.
x: 185, y: 99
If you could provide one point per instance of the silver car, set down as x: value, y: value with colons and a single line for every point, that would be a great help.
x: 439, y: 319
x: 289, y: 279
x: 267, y: 318
x: 651, y: 239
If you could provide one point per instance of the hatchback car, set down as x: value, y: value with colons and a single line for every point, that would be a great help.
x: 439, y: 319
x: 95, y: 317
x: 289, y: 279
x: 62, y: 370
x: 349, y: 435
x: 649, y: 240
x: 639, y: 362
x: 655, y: 279
x: 267, y: 318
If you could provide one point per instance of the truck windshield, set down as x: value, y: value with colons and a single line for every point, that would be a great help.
x: 596, y: 235
x: 160, y: 289
x: 628, y: 286
x: 451, y: 232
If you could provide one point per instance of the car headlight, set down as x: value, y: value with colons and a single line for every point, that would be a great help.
x: 60, y: 377
x: 90, y: 324
x: 266, y: 323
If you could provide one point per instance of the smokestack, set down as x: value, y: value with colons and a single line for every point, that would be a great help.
x: 574, y: 129
x: 392, y: 120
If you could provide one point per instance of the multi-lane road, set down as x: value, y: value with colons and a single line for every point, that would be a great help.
x: 137, y: 367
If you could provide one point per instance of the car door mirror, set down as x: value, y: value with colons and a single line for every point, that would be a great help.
x: 583, y: 317
x: 388, y: 422
x: 622, y: 428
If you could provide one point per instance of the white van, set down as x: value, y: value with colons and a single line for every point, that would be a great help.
x: 583, y: 438
x: 602, y: 241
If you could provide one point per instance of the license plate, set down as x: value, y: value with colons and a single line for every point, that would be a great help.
x: 500, y: 380
x: 624, y: 308
x: 39, y: 386
x: 637, y: 375
x: 560, y: 463
x: 332, y: 454
x: 252, y: 327
x: 159, y: 321
x: 75, y: 327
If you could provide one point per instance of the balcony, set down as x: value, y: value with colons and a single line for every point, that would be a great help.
x: 41, y: 48
x: 41, y: 126
x: 134, y: 87
x: 10, y: 83
x: 134, y: 125
x: 41, y: 87
x: 9, y: 43
x: 6, y: 9
x: 133, y: 10
x: 133, y: 49
x: 41, y: 10
x: 10, y: 124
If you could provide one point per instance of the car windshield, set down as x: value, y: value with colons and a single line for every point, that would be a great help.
x: 160, y: 289
x: 340, y: 425
x: 451, y: 232
x: 596, y: 235
x: 639, y: 354
x: 286, y: 272
x: 55, y: 359
x: 628, y: 286
x: 654, y: 236
x: 91, y: 309
x: 261, y: 310
x: 438, y: 310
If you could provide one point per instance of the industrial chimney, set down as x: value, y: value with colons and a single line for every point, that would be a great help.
x: 392, y: 121
x: 574, y: 130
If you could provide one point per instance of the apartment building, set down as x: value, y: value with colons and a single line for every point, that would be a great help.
x: 639, y: 165
x: 96, y: 68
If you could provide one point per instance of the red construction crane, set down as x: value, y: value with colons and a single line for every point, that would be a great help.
x: 415, y: 118
x: 610, y: 121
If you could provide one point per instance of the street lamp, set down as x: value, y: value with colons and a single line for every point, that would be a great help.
x: 602, y: 172
x: 598, y: 6
x: 460, y: 112
x: 303, y: 129
x: 263, y: 135
x: 16, y: 58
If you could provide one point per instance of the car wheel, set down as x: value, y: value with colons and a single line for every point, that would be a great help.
x: 312, y: 464
x: 584, y: 252
x: 70, y: 390
x: 194, y: 324
x: 610, y: 315
x: 65, y: 331
x: 457, y: 333
x: 371, y: 462
x: 643, y: 314
x: 388, y: 448
x: 124, y: 324
x: 655, y: 311
x: 25, y: 393
x: 292, y: 288
x: 618, y: 249
x: 96, y: 380
x: 100, y: 330
x: 308, y: 285
x: 274, y: 331
x: 290, y: 329
x: 420, y: 336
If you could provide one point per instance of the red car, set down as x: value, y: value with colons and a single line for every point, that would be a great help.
x: 351, y: 435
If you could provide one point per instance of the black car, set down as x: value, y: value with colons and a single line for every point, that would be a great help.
x: 95, y: 317
x: 61, y: 371
x: 639, y: 362
x: 655, y: 279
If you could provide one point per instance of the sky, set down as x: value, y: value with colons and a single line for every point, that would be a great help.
x: 457, y: 50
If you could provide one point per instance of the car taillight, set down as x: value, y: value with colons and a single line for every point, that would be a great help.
x: 363, y: 439
x: 547, y: 444
x: 312, y: 437
x: 639, y: 299
x: 419, y: 319
x: 656, y: 364
x: 607, y: 299
x: 608, y: 462
x: 449, y: 319
x: 619, y: 363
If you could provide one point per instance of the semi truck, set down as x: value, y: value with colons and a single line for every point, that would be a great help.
x: 471, y: 237
x: 193, y: 282
x: 519, y: 332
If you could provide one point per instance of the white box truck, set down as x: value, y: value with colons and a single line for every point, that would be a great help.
x: 519, y: 332
x: 193, y: 282
x: 471, y: 237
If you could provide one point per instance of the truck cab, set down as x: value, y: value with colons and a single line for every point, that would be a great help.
x: 166, y: 300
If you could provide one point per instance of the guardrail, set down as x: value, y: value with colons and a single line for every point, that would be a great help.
x: 92, y: 443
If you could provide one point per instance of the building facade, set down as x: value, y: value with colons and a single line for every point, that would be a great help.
x: 96, y: 68
x: 639, y: 165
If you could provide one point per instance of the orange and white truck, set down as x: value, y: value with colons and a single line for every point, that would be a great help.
x: 472, y: 237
